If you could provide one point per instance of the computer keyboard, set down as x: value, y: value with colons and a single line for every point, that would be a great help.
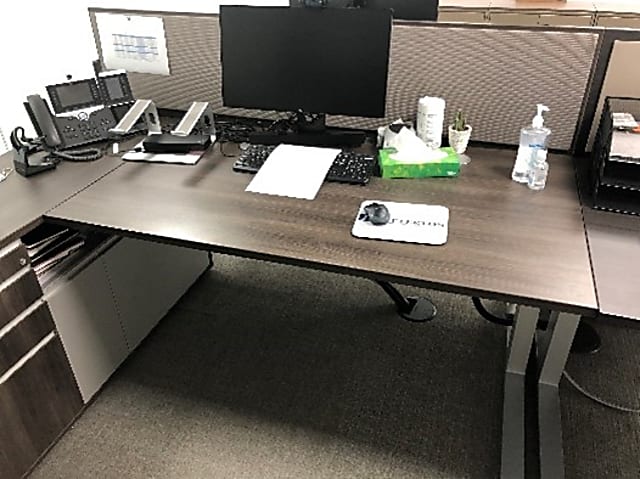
x: 348, y: 167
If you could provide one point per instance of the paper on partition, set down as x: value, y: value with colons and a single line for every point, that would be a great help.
x: 134, y: 43
x: 294, y: 171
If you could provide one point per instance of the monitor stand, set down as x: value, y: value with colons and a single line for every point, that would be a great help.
x: 309, y: 130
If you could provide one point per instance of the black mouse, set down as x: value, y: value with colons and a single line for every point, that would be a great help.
x: 376, y: 213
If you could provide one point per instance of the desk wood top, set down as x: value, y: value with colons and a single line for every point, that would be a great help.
x: 25, y: 200
x: 505, y: 241
x: 614, y: 242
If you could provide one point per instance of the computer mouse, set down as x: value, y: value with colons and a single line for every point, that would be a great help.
x: 377, y: 214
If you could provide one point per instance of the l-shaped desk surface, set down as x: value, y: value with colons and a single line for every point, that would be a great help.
x: 505, y: 241
x: 25, y: 200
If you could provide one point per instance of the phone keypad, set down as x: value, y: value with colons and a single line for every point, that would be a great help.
x: 86, y: 129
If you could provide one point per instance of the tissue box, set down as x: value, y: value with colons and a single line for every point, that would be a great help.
x: 447, y: 166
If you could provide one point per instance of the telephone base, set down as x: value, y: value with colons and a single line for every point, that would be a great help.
x: 26, y: 169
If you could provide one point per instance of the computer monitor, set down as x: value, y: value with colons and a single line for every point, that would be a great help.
x: 315, y: 60
x: 407, y: 9
x: 401, y: 9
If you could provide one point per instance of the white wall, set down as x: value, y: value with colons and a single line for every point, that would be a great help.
x: 206, y: 6
x: 43, y: 41
x: 40, y: 43
x: 4, y: 142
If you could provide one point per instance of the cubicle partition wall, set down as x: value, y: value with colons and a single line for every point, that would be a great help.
x: 618, y: 72
x: 495, y: 74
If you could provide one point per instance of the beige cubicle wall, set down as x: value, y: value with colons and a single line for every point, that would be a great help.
x: 580, y: 13
x: 614, y: 20
x: 464, y: 15
x: 487, y: 72
x: 622, y: 78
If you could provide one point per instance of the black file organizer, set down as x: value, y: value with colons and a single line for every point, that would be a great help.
x: 615, y: 178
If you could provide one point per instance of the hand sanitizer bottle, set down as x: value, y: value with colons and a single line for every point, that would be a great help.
x: 533, y: 145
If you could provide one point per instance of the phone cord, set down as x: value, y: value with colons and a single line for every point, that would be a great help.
x: 87, y: 154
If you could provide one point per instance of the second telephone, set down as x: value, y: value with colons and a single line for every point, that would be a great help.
x: 83, y: 119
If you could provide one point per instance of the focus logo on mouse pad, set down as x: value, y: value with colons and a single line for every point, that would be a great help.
x: 406, y: 222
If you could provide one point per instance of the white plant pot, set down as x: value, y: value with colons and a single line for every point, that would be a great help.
x: 459, y: 140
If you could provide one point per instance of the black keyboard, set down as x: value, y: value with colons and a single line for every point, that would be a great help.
x: 348, y: 167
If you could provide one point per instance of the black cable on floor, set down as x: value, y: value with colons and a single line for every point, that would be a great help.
x: 486, y: 314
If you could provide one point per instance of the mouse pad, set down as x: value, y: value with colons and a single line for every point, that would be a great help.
x: 408, y: 222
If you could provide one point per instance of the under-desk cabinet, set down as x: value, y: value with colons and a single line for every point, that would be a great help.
x: 147, y: 279
x: 64, y: 333
x: 106, y: 307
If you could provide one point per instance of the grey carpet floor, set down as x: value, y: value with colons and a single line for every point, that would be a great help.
x: 272, y: 371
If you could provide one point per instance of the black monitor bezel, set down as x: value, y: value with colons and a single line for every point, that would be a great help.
x: 380, y: 113
x: 52, y: 91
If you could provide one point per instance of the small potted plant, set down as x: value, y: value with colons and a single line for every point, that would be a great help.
x: 459, y: 135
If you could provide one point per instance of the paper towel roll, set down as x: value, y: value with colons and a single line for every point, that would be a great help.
x: 430, y: 120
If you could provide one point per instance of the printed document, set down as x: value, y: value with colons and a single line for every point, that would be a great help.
x: 294, y: 171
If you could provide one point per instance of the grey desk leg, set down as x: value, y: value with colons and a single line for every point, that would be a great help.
x: 513, y: 419
x: 554, y: 346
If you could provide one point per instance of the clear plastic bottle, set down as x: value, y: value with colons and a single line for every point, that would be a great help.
x: 538, y: 173
x: 430, y: 120
x: 533, y: 145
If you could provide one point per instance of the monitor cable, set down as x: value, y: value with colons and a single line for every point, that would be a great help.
x: 598, y: 400
x: 486, y: 314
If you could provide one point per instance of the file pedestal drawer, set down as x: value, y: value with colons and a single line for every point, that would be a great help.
x: 38, y: 393
x: 18, y: 295
x: 23, y: 336
x: 38, y: 400
x: 12, y: 259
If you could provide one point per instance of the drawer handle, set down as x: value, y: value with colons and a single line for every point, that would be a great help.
x: 23, y: 261
x: 11, y: 371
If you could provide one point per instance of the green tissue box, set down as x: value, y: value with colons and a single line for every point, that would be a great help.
x: 446, y: 166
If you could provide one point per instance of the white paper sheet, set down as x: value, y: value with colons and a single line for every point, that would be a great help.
x: 294, y: 171
x: 408, y: 222
x: 133, y: 43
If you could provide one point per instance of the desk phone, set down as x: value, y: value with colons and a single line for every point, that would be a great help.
x: 70, y: 131
x: 81, y: 117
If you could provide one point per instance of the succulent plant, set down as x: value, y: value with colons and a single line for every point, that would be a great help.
x: 459, y: 121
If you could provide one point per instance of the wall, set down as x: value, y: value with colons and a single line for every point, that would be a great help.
x: 200, y: 6
x: 618, y: 80
x: 41, y: 42
x: 4, y: 146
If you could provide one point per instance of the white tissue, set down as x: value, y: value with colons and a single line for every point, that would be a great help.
x: 410, y: 148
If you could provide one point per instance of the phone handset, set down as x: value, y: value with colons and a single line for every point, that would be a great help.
x: 44, y: 119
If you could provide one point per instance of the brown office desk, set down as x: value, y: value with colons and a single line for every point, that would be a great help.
x: 25, y: 200
x: 505, y: 242
x: 39, y: 397
x: 614, y: 243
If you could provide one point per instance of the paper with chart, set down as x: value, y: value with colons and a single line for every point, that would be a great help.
x: 294, y: 171
x: 133, y: 43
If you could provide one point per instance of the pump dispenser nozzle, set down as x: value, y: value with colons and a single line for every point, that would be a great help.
x: 538, y: 120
